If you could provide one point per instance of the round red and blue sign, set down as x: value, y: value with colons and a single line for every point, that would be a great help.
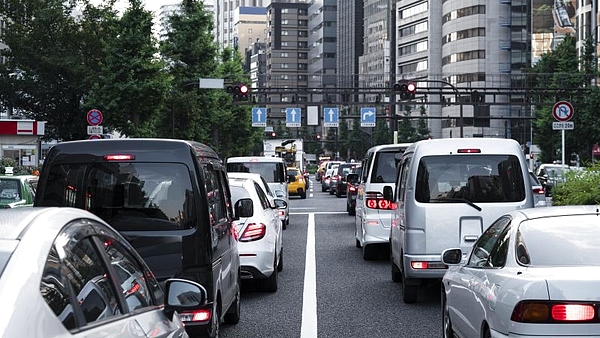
x: 94, y: 117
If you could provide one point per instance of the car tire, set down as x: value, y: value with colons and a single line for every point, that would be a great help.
x: 270, y: 284
x: 396, y: 274
x: 447, y: 331
x: 303, y: 194
x: 233, y: 314
x: 284, y: 225
x: 280, y: 264
x: 369, y: 252
x: 330, y: 191
x: 352, y: 211
x: 409, y: 292
x: 323, y: 188
x: 338, y: 194
x: 348, y: 208
x: 216, y: 325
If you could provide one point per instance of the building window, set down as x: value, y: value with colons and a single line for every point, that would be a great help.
x: 414, y: 10
x: 464, y: 56
x: 464, y: 34
x: 462, y: 12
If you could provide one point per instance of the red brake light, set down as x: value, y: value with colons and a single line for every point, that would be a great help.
x: 539, y: 191
x: 419, y: 265
x: 119, y: 157
x: 196, y: 316
x: 376, y: 201
x: 552, y: 312
x: 468, y: 151
x: 351, y: 188
x: 253, y: 232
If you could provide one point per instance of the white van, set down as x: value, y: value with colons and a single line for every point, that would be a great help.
x: 447, y: 192
x: 373, y: 213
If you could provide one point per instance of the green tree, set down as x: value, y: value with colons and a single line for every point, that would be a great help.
x: 53, y: 60
x: 406, y: 131
x: 423, y: 131
x: 343, y: 142
x: 569, y: 78
x: 132, y: 85
x: 382, y: 134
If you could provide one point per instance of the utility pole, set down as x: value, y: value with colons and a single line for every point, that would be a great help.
x: 392, y: 37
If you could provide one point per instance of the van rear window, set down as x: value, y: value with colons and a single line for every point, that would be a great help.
x: 477, y: 178
x: 384, y: 168
x: 272, y: 171
x: 127, y: 195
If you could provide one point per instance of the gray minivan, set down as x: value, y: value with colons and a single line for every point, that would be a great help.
x: 447, y: 192
x: 170, y: 199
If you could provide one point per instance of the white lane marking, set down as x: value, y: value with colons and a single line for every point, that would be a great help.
x: 309, y: 302
x: 319, y: 213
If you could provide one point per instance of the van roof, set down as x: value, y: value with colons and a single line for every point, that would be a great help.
x: 452, y: 145
x: 389, y: 146
x: 144, y: 149
x: 254, y: 159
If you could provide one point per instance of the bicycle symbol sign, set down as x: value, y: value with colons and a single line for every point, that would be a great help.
x: 562, y: 111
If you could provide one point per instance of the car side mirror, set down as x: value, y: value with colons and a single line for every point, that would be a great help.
x: 352, y: 178
x: 244, y: 208
x: 452, y: 256
x: 183, y: 294
x: 281, y: 204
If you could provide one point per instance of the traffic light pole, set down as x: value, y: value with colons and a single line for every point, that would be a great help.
x: 392, y: 37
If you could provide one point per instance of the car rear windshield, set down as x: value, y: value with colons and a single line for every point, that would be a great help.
x: 559, y: 241
x: 477, y: 178
x: 129, y: 196
x: 384, y: 167
x: 271, y: 171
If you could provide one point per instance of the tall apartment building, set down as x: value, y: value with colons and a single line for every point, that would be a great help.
x: 225, y: 18
x: 322, y: 42
x: 287, y: 54
x: 350, y: 16
x: 465, y: 46
x: 249, y: 26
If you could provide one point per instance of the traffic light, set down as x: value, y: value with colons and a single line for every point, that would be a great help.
x: 318, y: 137
x: 273, y: 134
x: 406, y: 89
x: 239, y: 91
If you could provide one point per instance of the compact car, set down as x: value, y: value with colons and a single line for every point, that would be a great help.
x: 64, y: 272
x: 326, y: 179
x: 259, y: 232
x: 340, y: 186
x: 353, y: 182
x: 17, y: 191
x: 539, y: 193
x: 276, y: 198
x: 532, y: 273
x: 296, y: 182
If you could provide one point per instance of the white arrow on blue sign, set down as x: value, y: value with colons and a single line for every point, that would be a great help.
x: 293, y: 116
x: 331, y: 117
x: 367, y: 117
x: 259, y: 117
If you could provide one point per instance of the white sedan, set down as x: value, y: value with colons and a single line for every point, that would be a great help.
x: 259, y: 232
x: 64, y: 272
x: 533, y: 273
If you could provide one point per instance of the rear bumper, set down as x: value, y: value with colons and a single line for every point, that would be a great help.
x: 437, y: 270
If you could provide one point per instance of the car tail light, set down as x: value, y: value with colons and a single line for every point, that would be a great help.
x: 254, y: 232
x: 539, y: 191
x: 351, y: 188
x: 376, y: 201
x: 119, y: 157
x: 555, y: 312
x: 281, y: 212
x: 197, y: 316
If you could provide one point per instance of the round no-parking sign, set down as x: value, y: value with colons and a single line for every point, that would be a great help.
x: 94, y: 117
x: 562, y: 111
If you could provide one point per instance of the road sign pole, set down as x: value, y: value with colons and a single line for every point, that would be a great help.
x: 563, y: 150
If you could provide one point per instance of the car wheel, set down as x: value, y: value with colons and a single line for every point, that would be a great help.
x: 369, y: 252
x: 396, y: 274
x: 280, y: 264
x: 447, y: 332
x: 409, y: 292
x: 283, y: 225
x: 323, y: 188
x: 330, y: 191
x: 270, y: 284
x: 233, y: 314
x: 303, y: 195
x: 487, y: 333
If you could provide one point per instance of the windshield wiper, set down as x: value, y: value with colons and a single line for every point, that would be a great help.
x: 452, y: 199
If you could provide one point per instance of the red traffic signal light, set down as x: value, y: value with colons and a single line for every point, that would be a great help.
x: 239, y: 91
x: 406, y: 89
x: 318, y: 136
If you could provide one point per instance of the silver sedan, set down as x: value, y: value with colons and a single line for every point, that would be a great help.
x: 66, y: 273
x: 532, y: 273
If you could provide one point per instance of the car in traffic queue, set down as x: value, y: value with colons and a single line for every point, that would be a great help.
x: 17, y: 190
x: 160, y: 194
x: 340, y: 186
x: 297, y: 184
x: 353, y: 182
x: 321, y: 171
x: 81, y: 278
x: 259, y: 232
x: 532, y: 273
x: 277, y: 198
x: 539, y: 193
x: 326, y: 179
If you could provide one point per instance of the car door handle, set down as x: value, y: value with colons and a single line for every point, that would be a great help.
x: 470, y: 238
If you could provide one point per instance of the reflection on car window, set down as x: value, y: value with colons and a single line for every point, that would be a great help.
x: 384, y: 170
x: 81, y: 273
x: 491, y: 248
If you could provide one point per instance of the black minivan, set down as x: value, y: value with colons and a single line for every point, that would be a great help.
x: 170, y: 199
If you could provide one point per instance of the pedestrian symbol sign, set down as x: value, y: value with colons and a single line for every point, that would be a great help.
x: 293, y: 116
x: 331, y: 117
x: 259, y: 117
x: 367, y: 117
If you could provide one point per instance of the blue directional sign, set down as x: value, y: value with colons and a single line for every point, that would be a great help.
x: 293, y: 116
x: 331, y: 117
x: 367, y: 116
x: 259, y: 117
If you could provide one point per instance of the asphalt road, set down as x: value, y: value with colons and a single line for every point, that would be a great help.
x: 337, y: 294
